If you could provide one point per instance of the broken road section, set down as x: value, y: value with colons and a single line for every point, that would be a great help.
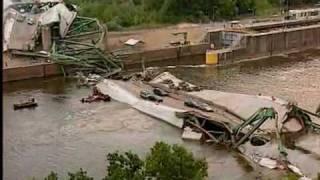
x: 252, y: 125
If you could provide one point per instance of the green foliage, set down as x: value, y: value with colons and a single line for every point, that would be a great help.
x: 124, y: 166
x: 52, y: 176
x: 245, y: 6
x: 174, y: 162
x: 227, y: 8
x: 262, y: 7
x: 79, y: 175
x: 290, y: 176
x: 120, y: 14
x: 162, y: 163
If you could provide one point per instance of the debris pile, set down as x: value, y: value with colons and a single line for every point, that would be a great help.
x: 173, y: 83
x: 53, y: 30
x: 96, y: 96
x: 90, y: 80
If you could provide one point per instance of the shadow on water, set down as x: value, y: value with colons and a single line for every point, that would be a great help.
x: 290, y: 143
x: 53, y: 85
x: 243, y: 162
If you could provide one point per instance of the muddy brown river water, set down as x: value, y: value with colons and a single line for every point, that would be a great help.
x: 63, y: 135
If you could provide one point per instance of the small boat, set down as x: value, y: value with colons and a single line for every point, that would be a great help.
x: 30, y: 103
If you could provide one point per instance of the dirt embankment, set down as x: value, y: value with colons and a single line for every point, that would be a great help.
x: 159, y: 38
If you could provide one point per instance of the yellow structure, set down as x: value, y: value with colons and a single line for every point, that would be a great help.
x: 211, y: 57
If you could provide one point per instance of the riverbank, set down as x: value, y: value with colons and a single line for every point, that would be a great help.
x: 231, y: 45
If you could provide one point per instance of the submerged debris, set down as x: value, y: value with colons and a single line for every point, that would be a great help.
x: 90, y: 80
x: 96, y: 96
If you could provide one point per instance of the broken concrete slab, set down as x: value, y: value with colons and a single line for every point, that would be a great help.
x: 132, y: 42
x: 8, y: 26
x: 58, y: 13
x: 249, y: 104
x: 117, y: 92
x: 189, y: 134
x: 220, y: 128
x: 23, y: 35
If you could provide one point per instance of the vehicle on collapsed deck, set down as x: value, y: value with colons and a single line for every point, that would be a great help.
x: 198, y: 105
x: 28, y: 104
x: 150, y: 96
x: 160, y: 92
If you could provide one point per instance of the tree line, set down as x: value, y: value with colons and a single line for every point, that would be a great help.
x: 163, y: 162
x: 125, y: 13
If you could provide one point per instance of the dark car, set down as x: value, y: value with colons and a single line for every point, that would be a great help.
x: 198, y: 105
x: 160, y: 92
x: 150, y: 96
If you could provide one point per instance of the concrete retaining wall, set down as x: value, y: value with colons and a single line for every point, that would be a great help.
x: 193, y: 54
x: 27, y: 72
x: 255, y: 46
x: 273, y: 43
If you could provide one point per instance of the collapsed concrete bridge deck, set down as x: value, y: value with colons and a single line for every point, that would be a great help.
x: 221, y: 123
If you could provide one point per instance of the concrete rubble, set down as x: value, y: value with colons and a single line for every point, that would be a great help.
x: 254, y: 128
x: 96, y: 96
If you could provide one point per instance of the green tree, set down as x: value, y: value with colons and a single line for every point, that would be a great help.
x: 79, y: 175
x: 174, y: 162
x: 290, y: 176
x: 162, y: 163
x: 226, y: 8
x: 52, y: 176
x: 124, y: 166
x: 262, y: 7
x: 245, y: 6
